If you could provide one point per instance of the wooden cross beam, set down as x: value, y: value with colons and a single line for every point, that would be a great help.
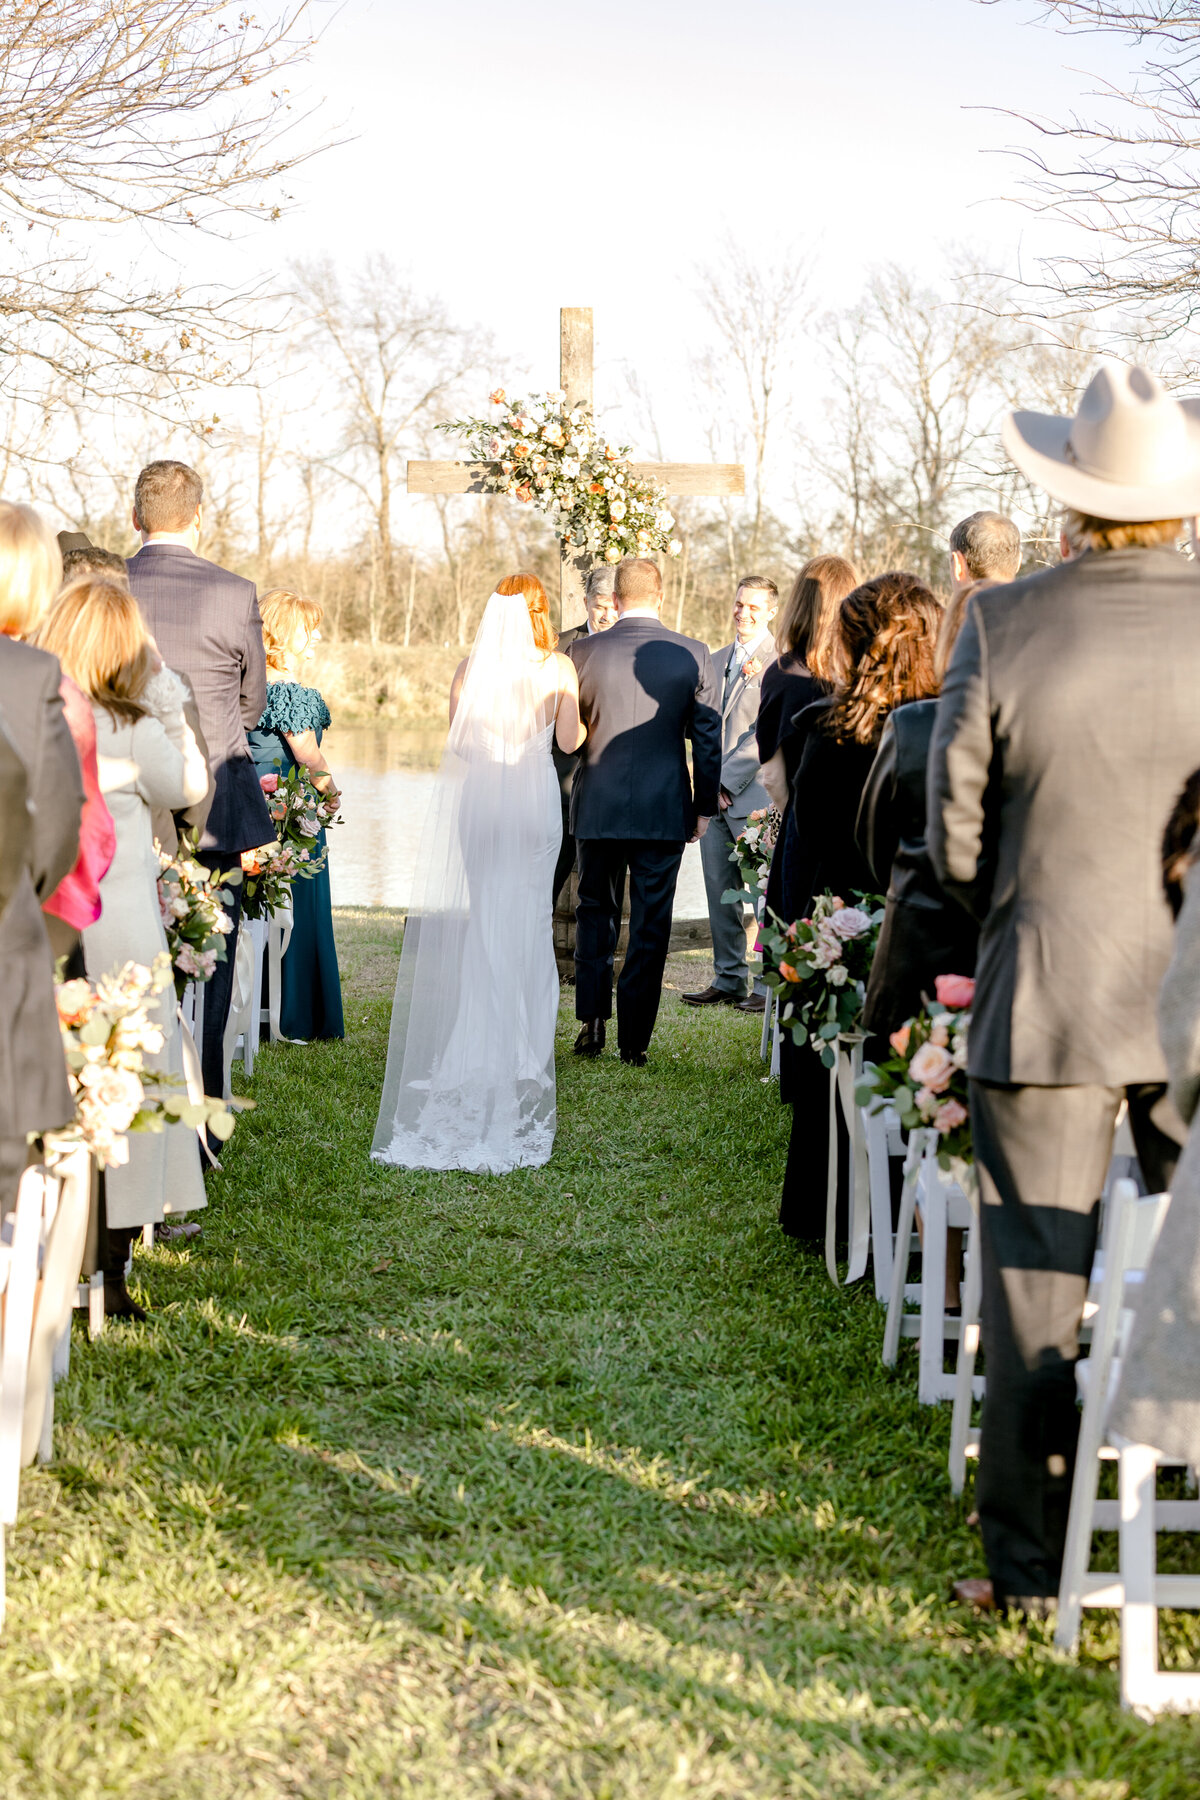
x: 576, y: 381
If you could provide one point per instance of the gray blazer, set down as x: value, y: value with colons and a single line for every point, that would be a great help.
x: 32, y: 711
x: 205, y: 622
x: 38, y: 845
x: 1068, y: 723
x: 644, y: 692
x: 739, y: 742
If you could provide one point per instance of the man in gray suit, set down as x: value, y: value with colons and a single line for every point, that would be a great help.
x: 739, y: 669
x: 644, y: 692
x: 206, y: 624
x: 1068, y: 723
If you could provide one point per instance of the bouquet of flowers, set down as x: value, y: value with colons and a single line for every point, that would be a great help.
x: 752, y: 851
x: 544, y: 453
x: 107, y: 1032
x: 300, y: 811
x: 819, y: 967
x: 190, y: 901
x: 925, y: 1078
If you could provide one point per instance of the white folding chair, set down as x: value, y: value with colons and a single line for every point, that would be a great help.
x: 1132, y: 1229
x: 18, y: 1282
x: 944, y: 1205
x: 884, y: 1140
x: 64, y: 1233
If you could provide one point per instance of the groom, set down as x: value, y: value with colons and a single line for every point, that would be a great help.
x: 643, y: 691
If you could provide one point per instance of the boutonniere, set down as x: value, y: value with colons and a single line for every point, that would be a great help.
x: 752, y: 667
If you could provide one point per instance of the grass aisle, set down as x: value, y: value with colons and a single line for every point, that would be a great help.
x: 580, y: 1482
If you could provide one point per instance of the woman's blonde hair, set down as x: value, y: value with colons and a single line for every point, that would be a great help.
x: 96, y: 630
x: 544, y: 634
x: 30, y: 569
x: 282, y: 609
x: 953, y: 615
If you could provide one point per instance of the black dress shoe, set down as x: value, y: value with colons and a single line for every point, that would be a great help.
x: 635, y: 1058
x: 710, y: 996
x: 590, y: 1041
x: 119, y: 1302
x: 754, y: 1003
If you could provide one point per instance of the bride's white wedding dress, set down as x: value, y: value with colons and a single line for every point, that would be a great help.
x: 470, y: 1069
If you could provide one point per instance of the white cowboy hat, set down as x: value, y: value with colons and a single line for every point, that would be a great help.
x: 1132, y: 451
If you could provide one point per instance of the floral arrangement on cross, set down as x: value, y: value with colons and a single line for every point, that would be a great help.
x: 541, y: 452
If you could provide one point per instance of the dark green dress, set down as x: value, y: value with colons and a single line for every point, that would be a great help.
x: 311, y: 1002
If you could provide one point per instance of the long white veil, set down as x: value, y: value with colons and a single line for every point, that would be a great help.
x: 470, y: 1068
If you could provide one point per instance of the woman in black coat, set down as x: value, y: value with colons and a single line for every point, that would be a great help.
x: 797, y: 678
x: 883, y: 657
x: 924, y: 934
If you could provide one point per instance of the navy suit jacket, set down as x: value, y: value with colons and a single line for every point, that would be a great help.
x: 206, y: 625
x: 644, y: 692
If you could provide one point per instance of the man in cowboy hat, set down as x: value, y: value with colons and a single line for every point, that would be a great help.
x: 1069, y: 721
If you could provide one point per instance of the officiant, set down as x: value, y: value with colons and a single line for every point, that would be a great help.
x: 601, y: 614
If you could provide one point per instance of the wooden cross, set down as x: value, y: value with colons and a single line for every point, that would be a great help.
x: 575, y: 379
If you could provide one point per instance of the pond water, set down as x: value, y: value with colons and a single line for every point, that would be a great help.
x: 386, y: 773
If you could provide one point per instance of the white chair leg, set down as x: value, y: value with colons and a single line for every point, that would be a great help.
x: 764, y: 1045
x: 874, y: 1127
x: 45, y: 1452
x: 968, y: 1349
x: 1139, y: 1616
x: 147, y: 1237
x: 931, y: 1359
x: 62, y: 1355
x: 96, y: 1304
x: 908, y: 1207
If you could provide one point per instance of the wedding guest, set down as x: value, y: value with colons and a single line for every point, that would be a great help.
x: 1158, y: 1397
x: 739, y: 669
x: 91, y: 560
x: 882, y: 657
x: 145, y: 759
x: 206, y: 625
x: 798, y: 676
x: 287, y: 737
x: 984, y: 547
x: 34, y: 1092
x: 601, y: 614
x: 30, y: 575
x: 1067, y: 725
x: 924, y: 933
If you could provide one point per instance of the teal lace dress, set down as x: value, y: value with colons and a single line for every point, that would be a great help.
x: 311, y: 1002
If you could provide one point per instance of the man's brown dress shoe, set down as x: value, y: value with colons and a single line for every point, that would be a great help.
x: 976, y: 1590
x: 710, y: 996
x: 590, y: 1041
x: 754, y: 1003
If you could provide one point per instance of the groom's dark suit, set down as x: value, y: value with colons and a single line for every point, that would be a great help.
x: 643, y: 692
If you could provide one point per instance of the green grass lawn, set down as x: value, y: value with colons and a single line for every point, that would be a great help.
x: 577, y: 1482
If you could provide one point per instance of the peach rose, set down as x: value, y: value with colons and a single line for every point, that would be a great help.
x: 950, y: 1115
x: 932, y: 1067
x: 788, y: 972
x: 899, y: 1039
x: 954, y: 991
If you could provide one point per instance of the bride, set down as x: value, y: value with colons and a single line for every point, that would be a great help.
x: 470, y: 1068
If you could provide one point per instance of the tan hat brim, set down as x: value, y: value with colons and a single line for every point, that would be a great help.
x: 1037, y: 443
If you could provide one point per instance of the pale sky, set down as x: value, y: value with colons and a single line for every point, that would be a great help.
x: 520, y: 157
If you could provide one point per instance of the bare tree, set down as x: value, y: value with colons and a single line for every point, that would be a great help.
x: 166, y: 114
x: 1131, y: 174
x: 757, y: 313
x: 397, y: 360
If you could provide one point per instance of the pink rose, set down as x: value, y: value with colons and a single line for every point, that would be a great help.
x: 268, y: 783
x: 932, y: 1067
x: 950, y: 1115
x: 954, y: 991
x: 849, y: 922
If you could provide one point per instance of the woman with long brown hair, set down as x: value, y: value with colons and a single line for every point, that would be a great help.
x: 470, y: 1073
x: 146, y: 758
x: 881, y: 657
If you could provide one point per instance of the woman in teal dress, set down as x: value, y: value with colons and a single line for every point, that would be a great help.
x: 289, y: 735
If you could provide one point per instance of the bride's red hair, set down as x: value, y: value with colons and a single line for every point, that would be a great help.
x: 544, y: 634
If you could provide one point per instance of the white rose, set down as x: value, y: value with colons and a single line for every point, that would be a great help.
x: 839, y: 975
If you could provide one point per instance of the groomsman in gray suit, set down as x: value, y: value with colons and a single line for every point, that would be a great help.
x: 206, y: 624
x: 739, y: 669
x: 1068, y: 723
